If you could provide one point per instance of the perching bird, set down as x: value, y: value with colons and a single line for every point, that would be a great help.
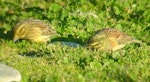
x: 110, y: 39
x: 34, y: 30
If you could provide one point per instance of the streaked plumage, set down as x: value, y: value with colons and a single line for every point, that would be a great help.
x: 34, y: 30
x: 110, y: 39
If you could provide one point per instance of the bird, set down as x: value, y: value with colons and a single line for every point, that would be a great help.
x: 34, y: 30
x: 110, y: 39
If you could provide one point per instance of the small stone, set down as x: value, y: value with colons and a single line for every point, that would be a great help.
x: 9, y: 74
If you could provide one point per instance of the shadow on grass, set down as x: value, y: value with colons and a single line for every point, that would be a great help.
x: 30, y: 54
x: 70, y: 38
x: 6, y: 36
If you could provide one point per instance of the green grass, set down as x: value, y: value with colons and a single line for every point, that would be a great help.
x: 76, y: 21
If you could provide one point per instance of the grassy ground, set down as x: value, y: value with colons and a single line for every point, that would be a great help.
x: 76, y: 21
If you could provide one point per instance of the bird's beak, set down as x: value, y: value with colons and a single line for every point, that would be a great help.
x: 15, y: 39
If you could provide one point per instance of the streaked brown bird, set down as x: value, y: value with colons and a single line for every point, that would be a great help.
x: 110, y: 39
x: 34, y: 30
